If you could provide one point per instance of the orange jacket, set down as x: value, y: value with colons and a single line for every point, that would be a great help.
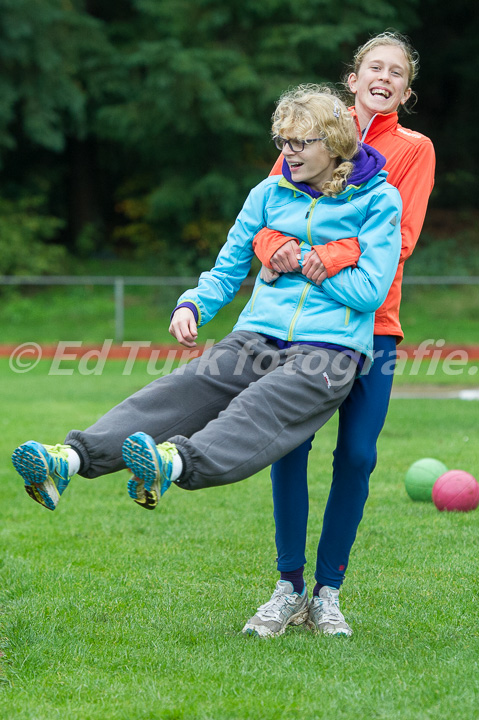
x: 410, y: 162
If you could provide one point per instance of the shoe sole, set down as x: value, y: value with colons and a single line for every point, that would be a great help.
x: 298, y: 619
x: 31, y: 464
x: 136, y: 490
x: 142, y: 459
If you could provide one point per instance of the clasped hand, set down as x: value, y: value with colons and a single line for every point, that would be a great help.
x: 286, y: 259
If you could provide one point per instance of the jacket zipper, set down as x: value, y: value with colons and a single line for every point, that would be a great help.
x: 306, y: 290
x: 308, y: 286
x: 309, y: 217
x: 366, y: 129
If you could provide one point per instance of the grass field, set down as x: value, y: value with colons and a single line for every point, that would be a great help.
x: 110, y: 612
x: 87, y: 313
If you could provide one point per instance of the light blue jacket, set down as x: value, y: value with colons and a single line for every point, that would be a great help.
x: 341, y: 309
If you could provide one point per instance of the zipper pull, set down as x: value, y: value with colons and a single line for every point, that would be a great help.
x: 310, y: 208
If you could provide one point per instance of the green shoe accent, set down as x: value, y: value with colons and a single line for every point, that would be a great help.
x: 151, y: 466
x: 44, y: 468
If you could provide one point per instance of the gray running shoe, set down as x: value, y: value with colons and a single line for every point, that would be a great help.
x: 324, y: 613
x: 285, y: 608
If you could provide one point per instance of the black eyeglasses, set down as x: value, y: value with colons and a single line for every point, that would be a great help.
x: 295, y: 145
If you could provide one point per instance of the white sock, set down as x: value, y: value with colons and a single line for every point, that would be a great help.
x: 177, y: 467
x: 73, y: 462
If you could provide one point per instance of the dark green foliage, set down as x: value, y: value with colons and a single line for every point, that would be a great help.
x: 25, y: 234
x: 44, y: 49
x: 448, y: 106
x: 146, y: 122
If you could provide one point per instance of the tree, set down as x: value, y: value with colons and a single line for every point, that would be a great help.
x: 48, y: 51
x: 203, y: 78
x: 145, y: 122
x: 448, y: 103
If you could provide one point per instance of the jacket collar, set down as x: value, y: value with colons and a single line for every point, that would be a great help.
x: 377, y: 125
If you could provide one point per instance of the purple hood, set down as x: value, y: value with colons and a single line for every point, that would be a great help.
x: 367, y: 163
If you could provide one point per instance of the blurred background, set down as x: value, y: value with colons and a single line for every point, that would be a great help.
x: 132, y: 130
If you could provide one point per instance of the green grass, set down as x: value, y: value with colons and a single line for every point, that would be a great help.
x: 443, y: 375
x: 450, y: 313
x: 87, y: 313
x: 86, y: 316
x: 110, y: 612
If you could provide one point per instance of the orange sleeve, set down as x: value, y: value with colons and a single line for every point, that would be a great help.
x: 266, y: 242
x: 415, y: 188
x: 339, y: 254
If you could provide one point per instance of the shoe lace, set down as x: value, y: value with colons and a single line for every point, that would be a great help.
x: 58, y: 451
x: 168, y: 449
x: 329, y: 609
x: 275, y: 606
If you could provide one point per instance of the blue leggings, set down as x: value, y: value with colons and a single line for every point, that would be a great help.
x: 361, y: 419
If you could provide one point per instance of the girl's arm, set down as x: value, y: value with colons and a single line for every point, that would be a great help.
x: 218, y: 286
x: 365, y: 287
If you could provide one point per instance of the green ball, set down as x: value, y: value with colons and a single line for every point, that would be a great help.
x: 421, y: 477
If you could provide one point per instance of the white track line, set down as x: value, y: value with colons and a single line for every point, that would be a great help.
x: 425, y: 393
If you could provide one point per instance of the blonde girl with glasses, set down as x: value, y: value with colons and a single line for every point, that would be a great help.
x: 220, y: 418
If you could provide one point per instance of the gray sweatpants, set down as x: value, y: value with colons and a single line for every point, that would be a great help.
x: 235, y: 410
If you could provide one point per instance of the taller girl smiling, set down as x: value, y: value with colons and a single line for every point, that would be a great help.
x: 380, y: 79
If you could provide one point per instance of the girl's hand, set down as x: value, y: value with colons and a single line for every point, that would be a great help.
x: 268, y: 275
x: 285, y: 259
x: 313, y: 268
x: 183, y: 327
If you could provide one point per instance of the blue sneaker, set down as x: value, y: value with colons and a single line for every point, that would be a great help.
x: 44, y: 469
x: 151, y: 466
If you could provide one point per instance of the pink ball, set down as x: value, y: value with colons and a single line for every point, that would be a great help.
x: 456, y: 490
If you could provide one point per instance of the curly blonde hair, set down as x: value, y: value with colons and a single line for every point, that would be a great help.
x: 315, y: 110
x: 389, y: 37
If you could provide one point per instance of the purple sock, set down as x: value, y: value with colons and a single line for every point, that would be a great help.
x: 295, y: 577
x: 316, y: 590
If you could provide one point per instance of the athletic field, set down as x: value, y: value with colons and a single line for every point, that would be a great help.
x: 111, y: 612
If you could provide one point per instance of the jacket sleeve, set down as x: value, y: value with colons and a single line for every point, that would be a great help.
x: 339, y: 254
x: 218, y: 286
x: 266, y: 243
x: 415, y: 188
x: 365, y: 287
x: 334, y: 255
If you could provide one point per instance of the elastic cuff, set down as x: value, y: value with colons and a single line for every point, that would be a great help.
x: 327, y: 581
x: 289, y: 566
x: 82, y: 454
x: 325, y: 258
x: 181, y: 443
x: 276, y: 245
x: 191, y: 306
